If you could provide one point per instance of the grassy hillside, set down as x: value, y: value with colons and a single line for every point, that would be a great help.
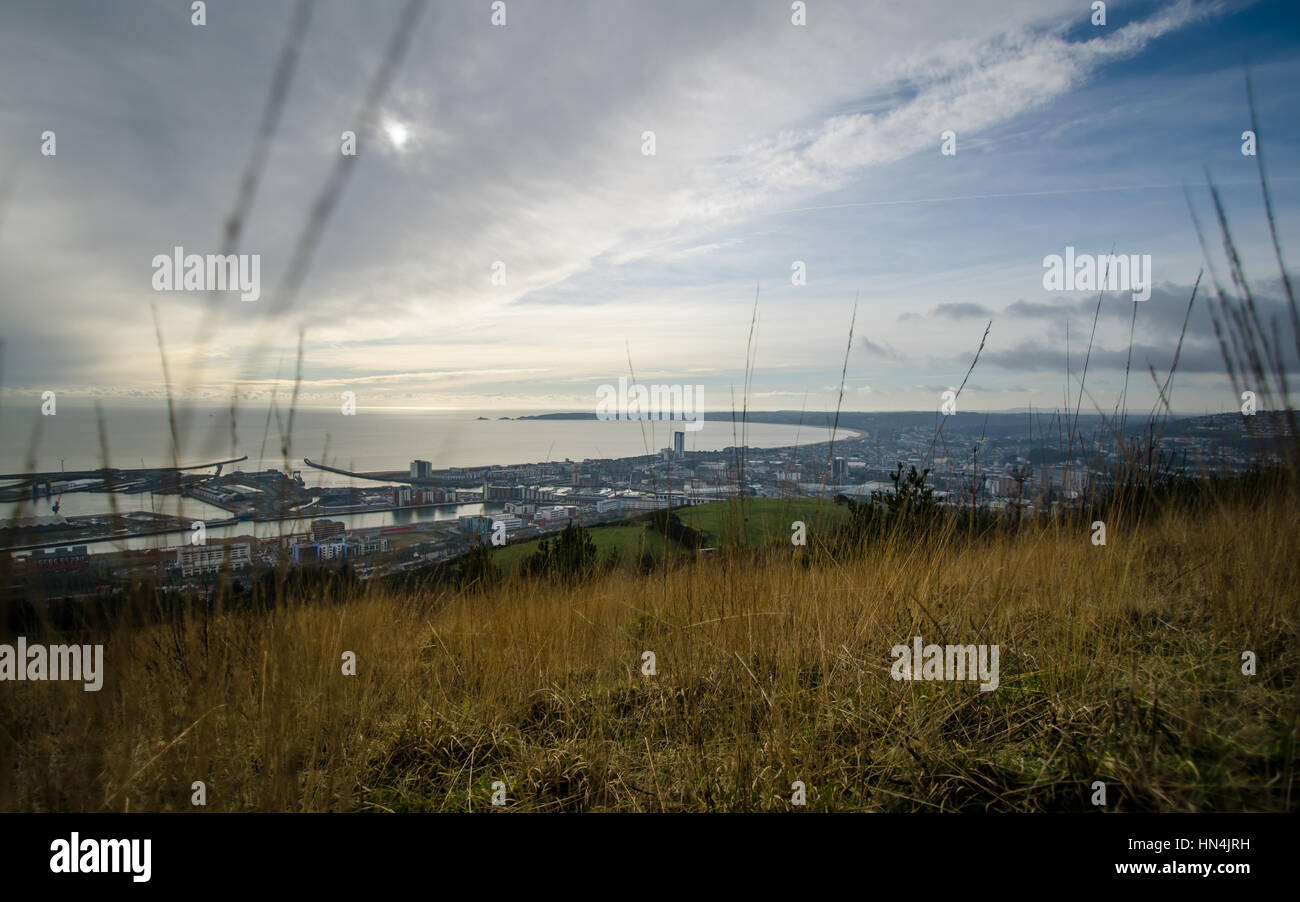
x: 1119, y: 663
x: 628, y: 541
x: 761, y: 521
x: 765, y: 521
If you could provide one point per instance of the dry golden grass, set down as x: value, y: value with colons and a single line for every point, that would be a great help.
x: 1118, y: 663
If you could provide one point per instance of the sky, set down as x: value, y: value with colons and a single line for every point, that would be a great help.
x: 518, y: 149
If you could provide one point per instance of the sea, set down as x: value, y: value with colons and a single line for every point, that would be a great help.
x: 372, y: 439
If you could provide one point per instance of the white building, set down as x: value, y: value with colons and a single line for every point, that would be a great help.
x: 196, y: 559
x: 555, y: 514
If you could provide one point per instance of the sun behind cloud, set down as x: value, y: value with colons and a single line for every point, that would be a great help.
x: 397, y: 133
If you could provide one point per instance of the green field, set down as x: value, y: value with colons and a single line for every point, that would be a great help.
x: 765, y: 520
x: 629, y: 540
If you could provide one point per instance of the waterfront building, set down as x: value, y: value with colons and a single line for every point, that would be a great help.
x: 324, y: 529
x: 199, y: 559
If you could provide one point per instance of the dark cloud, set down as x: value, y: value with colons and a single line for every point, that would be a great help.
x: 952, y: 310
x: 1029, y: 310
x: 1038, y: 356
x: 962, y: 311
x: 1159, y: 318
x: 878, y: 350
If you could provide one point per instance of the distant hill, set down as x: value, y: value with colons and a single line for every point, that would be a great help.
x: 963, y: 421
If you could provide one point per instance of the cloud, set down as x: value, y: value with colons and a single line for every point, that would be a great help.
x: 1036, y: 356
x: 962, y: 311
x: 522, y: 146
x: 878, y: 350
x: 1156, y: 329
x: 1031, y: 310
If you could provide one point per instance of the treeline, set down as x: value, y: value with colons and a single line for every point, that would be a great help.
x: 670, y: 526
x: 571, y: 556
